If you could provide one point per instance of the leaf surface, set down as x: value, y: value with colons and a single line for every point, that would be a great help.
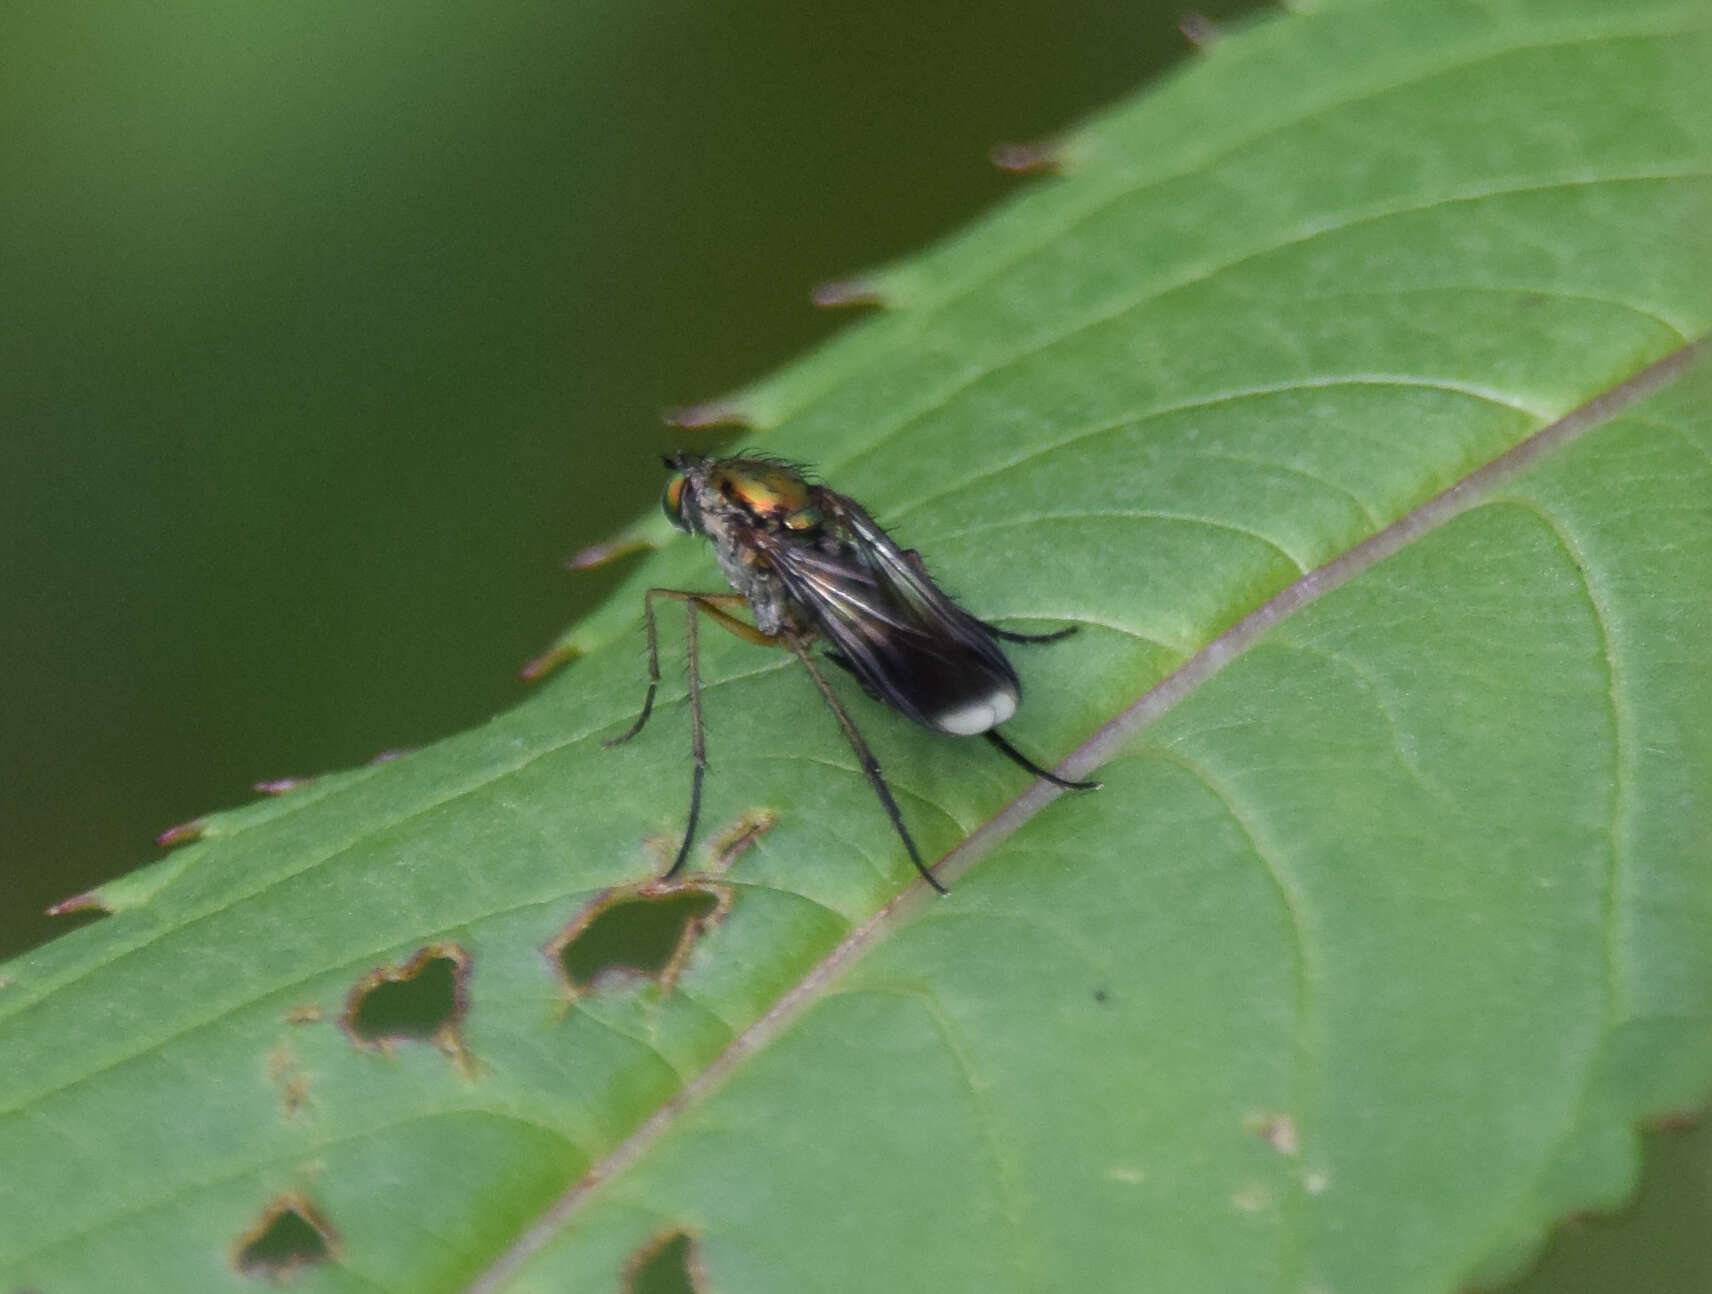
x: 1340, y: 391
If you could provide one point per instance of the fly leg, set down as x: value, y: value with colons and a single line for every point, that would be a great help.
x: 1016, y: 757
x: 870, y: 766
x: 914, y: 559
x: 1011, y: 636
x: 1004, y: 747
x: 694, y: 603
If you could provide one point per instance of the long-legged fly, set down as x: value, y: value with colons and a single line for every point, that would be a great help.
x: 811, y: 564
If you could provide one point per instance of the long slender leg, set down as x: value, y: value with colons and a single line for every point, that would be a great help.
x: 1011, y: 636
x: 653, y: 674
x: 709, y: 602
x: 694, y: 603
x: 698, y: 748
x: 1011, y: 753
x: 870, y: 766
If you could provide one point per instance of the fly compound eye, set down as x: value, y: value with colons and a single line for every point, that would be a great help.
x: 672, y: 502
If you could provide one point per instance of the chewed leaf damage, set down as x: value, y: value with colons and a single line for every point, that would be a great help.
x: 290, y: 1235
x: 667, y: 1264
x: 423, y: 1000
x: 637, y: 933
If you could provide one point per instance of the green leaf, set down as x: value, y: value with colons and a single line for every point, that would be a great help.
x: 1340, y: 391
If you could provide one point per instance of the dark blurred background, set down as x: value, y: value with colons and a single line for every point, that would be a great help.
x: 328, y: 330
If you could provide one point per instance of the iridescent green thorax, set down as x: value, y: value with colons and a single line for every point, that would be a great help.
x: 764, y: 492
x: 745, y: 506
x: 771, y: 492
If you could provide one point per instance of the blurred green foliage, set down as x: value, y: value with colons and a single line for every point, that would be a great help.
x: 330, y: 329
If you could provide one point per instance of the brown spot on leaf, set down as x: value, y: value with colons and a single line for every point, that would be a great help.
x: 1675, y: 1121
x: 182, y: 834
x: 608, y: 550
x: 667, y: 1264
x: 294, y: 1095
x: 1276, y: 1130
x: 289, y: 1236
x: 738, y: 839
x: 424, y: 1000
x: 642, y: 932
x: 547, y: 662
x: 710, y: 413
x: 1043, y: 157
x: 303, y: 1013
x: 285, y: 1073
x: 88, y: 901
x: 1198, y: 29
x: 280, y: 785
x: 838, y: 294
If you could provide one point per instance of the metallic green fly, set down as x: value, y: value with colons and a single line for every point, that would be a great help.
x: 811, y: 565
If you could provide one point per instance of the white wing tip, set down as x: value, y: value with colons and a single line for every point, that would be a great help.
x: 975, y: 717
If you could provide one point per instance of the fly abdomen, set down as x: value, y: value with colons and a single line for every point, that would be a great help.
x: 970, y: 716
x: 942, y: 684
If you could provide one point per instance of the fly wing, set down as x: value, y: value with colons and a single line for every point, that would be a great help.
x: 906, y: 642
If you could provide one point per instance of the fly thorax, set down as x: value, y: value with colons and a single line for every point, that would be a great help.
x: 747, y: 572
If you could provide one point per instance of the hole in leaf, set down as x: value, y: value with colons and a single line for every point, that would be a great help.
x: 290, y: 1236
x: 421, y: 1001
x: 637, y: 934
x: 666, y: 1265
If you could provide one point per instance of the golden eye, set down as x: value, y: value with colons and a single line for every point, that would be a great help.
x: 803, y: 519
x: 672, y: 503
